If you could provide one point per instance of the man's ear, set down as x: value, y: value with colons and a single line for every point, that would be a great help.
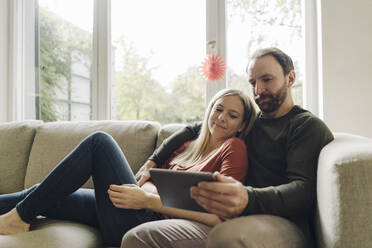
x: 291, y: 77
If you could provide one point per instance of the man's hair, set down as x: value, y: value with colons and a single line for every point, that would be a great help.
x: 283, y: 59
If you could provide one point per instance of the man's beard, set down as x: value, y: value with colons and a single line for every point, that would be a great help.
x: 274, y: 102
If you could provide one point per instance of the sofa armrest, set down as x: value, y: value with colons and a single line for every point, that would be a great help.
x: 344, y: 193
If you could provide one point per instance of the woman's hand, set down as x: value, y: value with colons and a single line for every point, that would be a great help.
x: 144, y: 172
x: 128, y: 196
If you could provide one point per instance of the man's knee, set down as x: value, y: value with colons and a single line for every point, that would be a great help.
x: 135, y: 237
x: 130, y: 240
x: 147, y: 235
x: 256, y: 231
x: 175, y: 233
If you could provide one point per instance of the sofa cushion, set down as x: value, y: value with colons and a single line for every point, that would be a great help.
x: 54, y: 233
x: 15, y: 144
x: 344, y: 190
x: 166, y: 131
x: 53, y: 141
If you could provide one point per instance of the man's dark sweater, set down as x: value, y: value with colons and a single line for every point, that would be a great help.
x: 283, y: 155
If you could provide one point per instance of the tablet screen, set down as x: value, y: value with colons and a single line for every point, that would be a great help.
x: 174, y: 187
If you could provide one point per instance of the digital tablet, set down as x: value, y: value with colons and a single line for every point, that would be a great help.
x: 174, y: 187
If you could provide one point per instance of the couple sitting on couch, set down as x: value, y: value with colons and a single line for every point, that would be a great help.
x: 282, y: 146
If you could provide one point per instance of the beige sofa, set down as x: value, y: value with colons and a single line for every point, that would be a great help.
x: 29, y: 150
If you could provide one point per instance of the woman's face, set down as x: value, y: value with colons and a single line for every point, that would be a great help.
x: 226, y: 117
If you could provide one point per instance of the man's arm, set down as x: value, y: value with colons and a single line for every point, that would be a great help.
x: 173, y: 142
x: 297, y: 197
x: 227, y: 198
x: 166, y: 149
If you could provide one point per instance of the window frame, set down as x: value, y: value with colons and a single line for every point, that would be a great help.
x: 215, y: 32
x: 16, y: 59
x: 312, y: 93
x: 23, y: 28
x: 102, y: 73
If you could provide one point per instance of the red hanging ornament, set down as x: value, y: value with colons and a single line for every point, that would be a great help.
x: 213, y: 67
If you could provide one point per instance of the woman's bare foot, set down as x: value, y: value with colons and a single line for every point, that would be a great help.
x: 11, y: 223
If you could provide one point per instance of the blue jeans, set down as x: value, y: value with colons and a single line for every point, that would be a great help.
x: 59, y: 195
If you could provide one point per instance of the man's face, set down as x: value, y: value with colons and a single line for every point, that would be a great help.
x: 269, y: 84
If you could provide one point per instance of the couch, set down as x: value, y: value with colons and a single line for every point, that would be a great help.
x: 30, y: 149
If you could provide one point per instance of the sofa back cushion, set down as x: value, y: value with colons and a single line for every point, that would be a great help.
x: 15, y: 144
x: 53, y: 141
x: 166, y: 131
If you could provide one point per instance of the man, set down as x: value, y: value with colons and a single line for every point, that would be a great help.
x: 275, y: 209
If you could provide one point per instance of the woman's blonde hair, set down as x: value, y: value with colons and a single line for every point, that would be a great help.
x: 197, y: 149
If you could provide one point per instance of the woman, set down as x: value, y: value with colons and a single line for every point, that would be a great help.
x: 117, y: 203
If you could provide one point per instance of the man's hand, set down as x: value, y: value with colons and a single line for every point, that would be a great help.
x: 144, y: 172
x: 128, y: 196
x: 226, y: 198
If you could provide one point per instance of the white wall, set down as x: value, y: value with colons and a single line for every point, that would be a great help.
x: 3, y: 59
x: 347, y: 65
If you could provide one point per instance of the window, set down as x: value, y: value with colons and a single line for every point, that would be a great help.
x: 65, y: 60
x: 152, y: 54
x: 253, y: 24
x: 157, y: 50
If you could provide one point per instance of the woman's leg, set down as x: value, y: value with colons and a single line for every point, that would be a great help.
x: 10, y: 222
x: 79, y: 206
x: 112, y: 168
x: 98, y: 155
x: 9, y: 201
